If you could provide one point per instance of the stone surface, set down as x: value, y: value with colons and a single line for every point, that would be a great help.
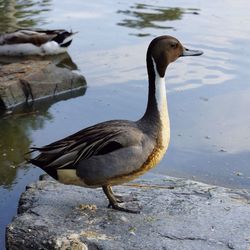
x: 32, y: 79
x: 175, y: 214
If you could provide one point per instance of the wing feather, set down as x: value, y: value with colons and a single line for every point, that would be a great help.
x: 100, y: 139
x: 36, y: 37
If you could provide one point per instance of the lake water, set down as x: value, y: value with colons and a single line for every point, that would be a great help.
x: 208, y: 96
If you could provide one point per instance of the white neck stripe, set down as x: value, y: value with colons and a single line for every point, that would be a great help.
x: 160, y: 90
x: 161, y: 101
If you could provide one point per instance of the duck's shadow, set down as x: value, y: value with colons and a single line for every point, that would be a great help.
x: 61, y: 60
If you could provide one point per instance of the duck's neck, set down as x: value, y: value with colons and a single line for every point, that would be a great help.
x: 160, y: 95
x: 156, y: 115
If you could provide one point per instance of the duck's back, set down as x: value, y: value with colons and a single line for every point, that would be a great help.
x: 34, y: 42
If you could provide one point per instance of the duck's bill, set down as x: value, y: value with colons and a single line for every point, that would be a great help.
x: 191, y: 52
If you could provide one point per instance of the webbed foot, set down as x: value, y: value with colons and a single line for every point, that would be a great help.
x: 114, y: 200
x: 125, y: 198
x: 119, y: 208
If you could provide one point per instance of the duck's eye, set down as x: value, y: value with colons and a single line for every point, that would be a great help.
x: 174, y: 45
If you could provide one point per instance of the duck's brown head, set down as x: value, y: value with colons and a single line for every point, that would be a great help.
x: 164, y: 50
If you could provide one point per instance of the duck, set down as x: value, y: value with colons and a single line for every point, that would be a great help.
x: 27, y: 42
x: 118, y: 151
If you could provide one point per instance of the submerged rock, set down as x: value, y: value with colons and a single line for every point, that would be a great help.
x: 175, y: 214
x: 32, y: 79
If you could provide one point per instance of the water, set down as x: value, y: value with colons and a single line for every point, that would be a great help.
x: 208, y: 96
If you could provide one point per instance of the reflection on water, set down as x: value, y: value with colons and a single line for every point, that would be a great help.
x: 145, y: 16
x: 16, y: 14
x: 15, y: 143
x: 15, y: 133
x: 63, y: 61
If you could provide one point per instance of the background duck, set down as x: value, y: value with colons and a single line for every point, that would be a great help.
x: 35, y: 42
x: 118, y: 151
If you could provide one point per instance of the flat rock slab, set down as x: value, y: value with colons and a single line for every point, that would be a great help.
x: 33, y: 79
x: 175, y: 214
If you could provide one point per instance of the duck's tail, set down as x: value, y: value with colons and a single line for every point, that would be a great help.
x: 64, y: 38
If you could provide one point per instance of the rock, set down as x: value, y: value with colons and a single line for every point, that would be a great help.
x: 33, y: 79
x: 175, y: 214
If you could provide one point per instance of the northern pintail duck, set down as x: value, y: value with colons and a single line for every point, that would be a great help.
x: 117, y: 151
x: 35, y: 42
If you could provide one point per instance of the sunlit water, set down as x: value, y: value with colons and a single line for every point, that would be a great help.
x: 208, y: 96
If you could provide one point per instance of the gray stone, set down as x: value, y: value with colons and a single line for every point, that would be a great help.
x: 175, y: 214
x: 32, y: 79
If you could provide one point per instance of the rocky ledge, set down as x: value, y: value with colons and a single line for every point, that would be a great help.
x: 175, y: 214
x: 33, y: 79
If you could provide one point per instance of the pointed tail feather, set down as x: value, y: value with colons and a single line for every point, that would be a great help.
x: 64, y: 38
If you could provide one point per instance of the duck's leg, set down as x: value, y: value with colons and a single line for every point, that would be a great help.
x: 113, y: 202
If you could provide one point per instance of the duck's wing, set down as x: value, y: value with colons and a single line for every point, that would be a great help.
x: 36, y: 37
x: 100, y: 139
